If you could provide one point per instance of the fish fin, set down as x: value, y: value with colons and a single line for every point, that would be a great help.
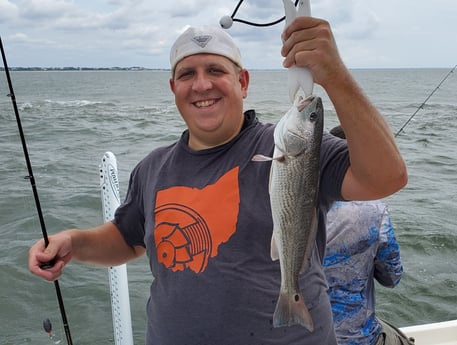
x: 306, y: 265
x: 291, y: 310
x: 274, y: 252
x: 310, y: 245
x: 263, y: 158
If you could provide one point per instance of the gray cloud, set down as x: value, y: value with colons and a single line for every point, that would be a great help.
x: 139, y: 32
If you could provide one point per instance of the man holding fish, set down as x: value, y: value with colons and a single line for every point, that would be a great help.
x: 200, y: 208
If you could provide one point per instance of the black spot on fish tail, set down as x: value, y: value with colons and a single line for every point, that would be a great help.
x: 291, y: 310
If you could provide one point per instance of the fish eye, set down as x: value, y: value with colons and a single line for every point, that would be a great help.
x: 313, y: 116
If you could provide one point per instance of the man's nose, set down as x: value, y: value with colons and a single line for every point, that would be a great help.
x: 201, y: 82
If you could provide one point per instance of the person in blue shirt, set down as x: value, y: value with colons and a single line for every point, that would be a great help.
x: 361, y: 247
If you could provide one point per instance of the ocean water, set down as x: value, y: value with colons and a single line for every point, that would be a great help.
x: 71, y: 118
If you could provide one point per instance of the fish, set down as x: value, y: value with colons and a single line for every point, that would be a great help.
x: 294, y: 179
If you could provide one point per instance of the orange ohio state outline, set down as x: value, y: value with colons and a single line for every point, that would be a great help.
x: 191, y: 223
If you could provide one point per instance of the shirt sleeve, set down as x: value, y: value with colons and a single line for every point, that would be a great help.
x: 334, y: 164
x: 129, y: 217
x: 388, y: 267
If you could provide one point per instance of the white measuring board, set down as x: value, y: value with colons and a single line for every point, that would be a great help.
x: 118, y: 281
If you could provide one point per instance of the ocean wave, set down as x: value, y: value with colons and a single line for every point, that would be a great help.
x: 77, y: 103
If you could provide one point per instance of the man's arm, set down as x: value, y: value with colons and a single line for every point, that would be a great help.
x: 377, y: 168
x: 388, y: 268
x: 102, y: 245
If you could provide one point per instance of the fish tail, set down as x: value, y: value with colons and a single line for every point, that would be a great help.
x: 291, y: 310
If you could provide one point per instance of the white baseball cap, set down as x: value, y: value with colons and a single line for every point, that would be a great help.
x: 204, y: 40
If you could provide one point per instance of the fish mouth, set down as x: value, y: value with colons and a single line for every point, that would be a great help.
x: 302, y: 103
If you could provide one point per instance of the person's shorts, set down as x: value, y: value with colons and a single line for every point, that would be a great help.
x: 391, y: 335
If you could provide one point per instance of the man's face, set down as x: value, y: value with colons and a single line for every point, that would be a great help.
x: 209, y: 91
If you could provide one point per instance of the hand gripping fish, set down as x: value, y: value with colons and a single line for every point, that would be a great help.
x: 294, y: 180
x: 298, y: 76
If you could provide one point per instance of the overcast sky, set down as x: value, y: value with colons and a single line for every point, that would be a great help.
x: 124, y: 33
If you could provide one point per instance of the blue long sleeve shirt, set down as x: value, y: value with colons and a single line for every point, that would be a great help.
x: 361, y: 247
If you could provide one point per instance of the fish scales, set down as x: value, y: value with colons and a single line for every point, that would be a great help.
x: 293, y: 195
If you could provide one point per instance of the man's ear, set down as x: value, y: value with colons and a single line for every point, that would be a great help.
x: 244, y: 82
x: 172, y: 85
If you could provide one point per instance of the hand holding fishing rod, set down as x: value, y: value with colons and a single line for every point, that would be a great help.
x: 58, y: 252
x: 48, y: 263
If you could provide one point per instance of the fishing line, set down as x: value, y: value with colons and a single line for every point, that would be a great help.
x: 426, y: 100
x: 31, y: 178
x: 227, y: 21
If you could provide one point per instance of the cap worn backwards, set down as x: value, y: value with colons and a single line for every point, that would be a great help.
x: 204, y: 40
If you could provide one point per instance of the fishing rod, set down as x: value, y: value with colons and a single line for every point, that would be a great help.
x: 426, y: 100
x: 227, y: 21
x: 31, y: 178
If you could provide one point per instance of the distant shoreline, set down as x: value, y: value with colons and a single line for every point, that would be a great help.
x: 64, y: 69
x: 135, y: 68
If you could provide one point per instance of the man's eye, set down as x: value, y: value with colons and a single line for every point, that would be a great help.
x: 216, y: 71
x: 186, y: 74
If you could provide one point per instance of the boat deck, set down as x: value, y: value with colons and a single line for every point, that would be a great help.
x: 440, y: 333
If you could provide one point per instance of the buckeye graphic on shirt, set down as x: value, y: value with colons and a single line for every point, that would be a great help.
x: 191, y: 223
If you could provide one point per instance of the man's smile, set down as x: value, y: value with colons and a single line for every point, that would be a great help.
x: 205, y: 103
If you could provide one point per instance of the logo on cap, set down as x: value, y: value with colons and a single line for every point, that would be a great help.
x: 202, y: 40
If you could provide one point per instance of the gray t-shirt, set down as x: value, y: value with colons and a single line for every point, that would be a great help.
x: 204, y: 218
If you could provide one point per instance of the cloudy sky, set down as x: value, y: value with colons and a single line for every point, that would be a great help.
x: 107, y: 33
